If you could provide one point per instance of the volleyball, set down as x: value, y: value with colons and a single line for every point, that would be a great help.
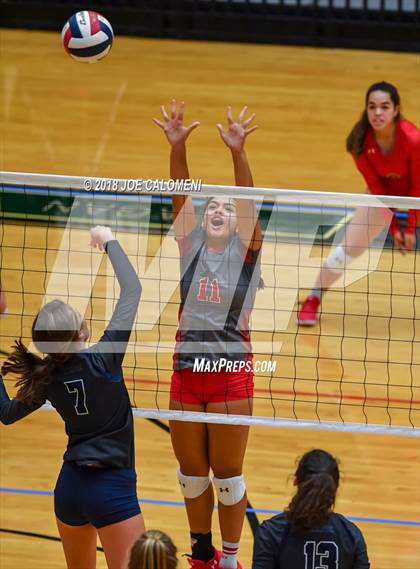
x: 87, y: 36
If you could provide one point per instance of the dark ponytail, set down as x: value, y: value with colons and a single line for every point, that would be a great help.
x: 317, y: 478
x: 356, y: 139
x: 56, y: 326
x: 34, y: 373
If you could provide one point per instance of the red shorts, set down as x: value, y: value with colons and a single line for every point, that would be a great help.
x: 201, y: 387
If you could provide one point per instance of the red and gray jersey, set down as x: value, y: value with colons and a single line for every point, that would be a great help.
x: 217, y: 295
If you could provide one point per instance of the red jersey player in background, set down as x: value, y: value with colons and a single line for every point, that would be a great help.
x: 386, y: 150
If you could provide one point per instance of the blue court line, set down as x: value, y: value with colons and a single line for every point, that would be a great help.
x: 253, y: 510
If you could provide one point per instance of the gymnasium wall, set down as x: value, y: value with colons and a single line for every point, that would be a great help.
x: 367, y: 24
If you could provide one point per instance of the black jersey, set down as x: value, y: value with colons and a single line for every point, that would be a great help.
x: 88, y: 390
x: 217, y: 295
x: 338, y: 544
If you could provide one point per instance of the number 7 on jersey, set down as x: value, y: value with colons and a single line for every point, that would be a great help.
x: 77, y: 387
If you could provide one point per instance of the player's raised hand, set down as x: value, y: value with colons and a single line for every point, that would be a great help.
x: 173, y: 126
x: 99, y: 236
x: 237, y: 130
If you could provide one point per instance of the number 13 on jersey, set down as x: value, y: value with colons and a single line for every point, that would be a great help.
x: 321, y: 555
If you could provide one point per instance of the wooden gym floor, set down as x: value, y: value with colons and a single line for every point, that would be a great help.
x: 59, y: 116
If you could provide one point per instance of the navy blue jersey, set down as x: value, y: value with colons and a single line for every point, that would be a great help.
x: 88, y: 390
x: 338, y: 544
x: 217, y: 295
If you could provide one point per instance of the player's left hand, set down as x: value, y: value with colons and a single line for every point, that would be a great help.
x: 237, y: 131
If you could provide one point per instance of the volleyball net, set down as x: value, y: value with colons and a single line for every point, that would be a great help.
x: 357, y: 369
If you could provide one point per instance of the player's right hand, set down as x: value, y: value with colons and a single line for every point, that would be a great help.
x: 173, y: 127
x: 99, y: 236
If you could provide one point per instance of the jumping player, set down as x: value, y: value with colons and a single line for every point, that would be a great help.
x: 96, y: 488
x: 386, y: 150
x: 308, y: 533
x: 220, y: 273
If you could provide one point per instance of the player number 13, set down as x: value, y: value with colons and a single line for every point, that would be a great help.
x: 321, y: 555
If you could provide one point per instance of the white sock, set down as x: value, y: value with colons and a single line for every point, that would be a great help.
x: 316, y: 292
x: 229, y: 559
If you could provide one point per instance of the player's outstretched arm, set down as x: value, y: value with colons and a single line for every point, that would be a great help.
x: 117, y: 333
x: 177, y: 133
x: 234, y: 137
x: 12, y: 410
